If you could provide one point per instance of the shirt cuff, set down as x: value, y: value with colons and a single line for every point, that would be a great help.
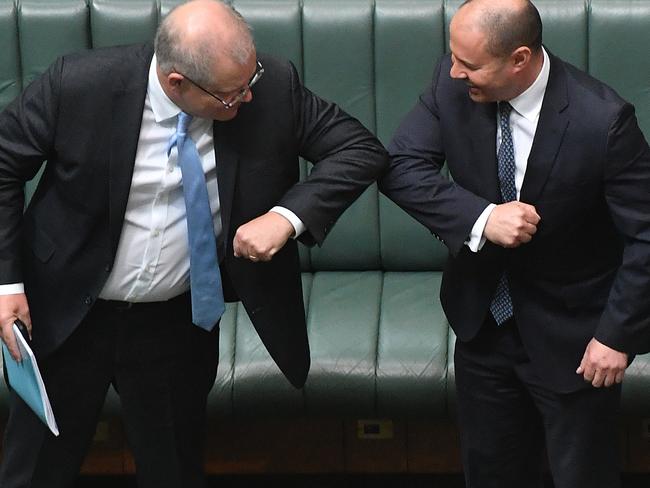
x: 12, y: 289
x: 298, y: 226
x: 476, y: 238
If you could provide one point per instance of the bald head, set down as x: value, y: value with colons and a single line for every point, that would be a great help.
x: 506, y: 24
x: 197, y: 36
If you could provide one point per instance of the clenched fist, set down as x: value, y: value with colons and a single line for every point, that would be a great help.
x: 261, y: 238
x: 511, y: 224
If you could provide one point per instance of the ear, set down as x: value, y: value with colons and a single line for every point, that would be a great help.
x: 521, y: 58
x: 174, y: 80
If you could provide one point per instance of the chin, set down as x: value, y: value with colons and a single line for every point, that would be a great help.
x: 225, y: 116
x: 480, y: 97
x: 477, y: 97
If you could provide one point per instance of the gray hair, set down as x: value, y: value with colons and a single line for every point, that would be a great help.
x: 197, y: 60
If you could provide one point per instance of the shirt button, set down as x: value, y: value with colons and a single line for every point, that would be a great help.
x: 170, y: 169
x: 155, y: 233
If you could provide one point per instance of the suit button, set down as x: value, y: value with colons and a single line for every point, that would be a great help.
x: 88, y: 300
x: 107, y: 268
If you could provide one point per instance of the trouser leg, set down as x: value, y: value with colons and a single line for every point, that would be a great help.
x: 76, y: 377
x: 501, y: 430
x: 165, y: 369
x: 582, y: 436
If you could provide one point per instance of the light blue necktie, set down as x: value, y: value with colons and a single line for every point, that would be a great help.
x: 205, y: 278
x: 501, y: 306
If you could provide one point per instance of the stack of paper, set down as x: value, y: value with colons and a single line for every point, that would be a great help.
x: 25, y: 379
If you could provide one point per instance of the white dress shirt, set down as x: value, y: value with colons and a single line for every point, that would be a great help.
x: 152, y: 261
x: 523, y: 124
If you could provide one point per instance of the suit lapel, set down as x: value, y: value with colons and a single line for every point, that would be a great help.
x: 483, y: 134
x: 126, y: 118
x: 553, y: 122
x: 227, y: 164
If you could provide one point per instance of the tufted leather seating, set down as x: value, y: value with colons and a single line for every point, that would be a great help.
x: 381, y: 346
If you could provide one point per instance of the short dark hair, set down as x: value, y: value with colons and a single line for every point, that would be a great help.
x: 508, y: 29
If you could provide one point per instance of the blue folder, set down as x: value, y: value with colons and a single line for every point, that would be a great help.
x: 25, y: 379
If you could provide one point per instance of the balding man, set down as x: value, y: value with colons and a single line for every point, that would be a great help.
x: 547, y: 220
x: 154, y: 162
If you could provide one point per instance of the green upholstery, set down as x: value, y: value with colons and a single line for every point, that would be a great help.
x: 115, y: 22
x: 565, y: 29
x: 47, y: 29
x: 415, y: 30
x: 412, y: 346
x: 220, y: 400
x: 636, y: 391
x: 338, y: 65
x: 342, y: 324
x: 618, y: 51
x: 10, y: 79
x: 379, y: 339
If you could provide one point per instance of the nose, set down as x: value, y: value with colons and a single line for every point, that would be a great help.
x: 456, y: 73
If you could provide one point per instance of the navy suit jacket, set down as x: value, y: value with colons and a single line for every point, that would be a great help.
x: 586, y: 272
x: 83, y: 116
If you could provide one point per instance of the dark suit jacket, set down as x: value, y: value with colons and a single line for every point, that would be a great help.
x: 586, y: 272
x: 83, y: 116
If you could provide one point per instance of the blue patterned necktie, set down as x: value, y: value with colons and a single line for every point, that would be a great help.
x: 501, y: 306
x: 205, y: 278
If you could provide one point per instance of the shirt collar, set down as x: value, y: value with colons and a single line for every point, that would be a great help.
x: 162, y: 107
x: 529, y: 103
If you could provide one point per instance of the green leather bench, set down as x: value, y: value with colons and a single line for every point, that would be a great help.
x: 381, y: 347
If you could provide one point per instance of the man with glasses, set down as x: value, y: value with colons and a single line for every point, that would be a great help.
x: 112, y: 264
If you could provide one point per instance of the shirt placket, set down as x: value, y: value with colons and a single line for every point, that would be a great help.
x: 145, y: 280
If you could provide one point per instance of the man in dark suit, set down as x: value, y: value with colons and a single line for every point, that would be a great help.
x: 99, y: 263
x: 547, y: 220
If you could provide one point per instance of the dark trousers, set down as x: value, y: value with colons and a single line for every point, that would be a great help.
x: 506, y: 418
x: 163, y: 368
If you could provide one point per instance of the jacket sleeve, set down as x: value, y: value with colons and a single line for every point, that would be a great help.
x: 347, y: 159
x: 27, y: 131
x: 625, y: 322
x: 415, y: 179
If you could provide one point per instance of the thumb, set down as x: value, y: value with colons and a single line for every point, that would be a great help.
x: 581, y: 367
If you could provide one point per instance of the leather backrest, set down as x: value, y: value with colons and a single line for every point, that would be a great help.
x: 373, y: 57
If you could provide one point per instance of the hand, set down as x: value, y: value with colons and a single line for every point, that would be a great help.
x: 13, y: 307
x: 602, y: 365
x: 511, y: 224
x: 261, y: 238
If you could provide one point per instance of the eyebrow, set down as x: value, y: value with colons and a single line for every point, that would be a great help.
x: 240, y: 88
x: 466, y: 63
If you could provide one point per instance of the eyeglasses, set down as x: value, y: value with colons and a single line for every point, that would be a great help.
x: 242, y: 93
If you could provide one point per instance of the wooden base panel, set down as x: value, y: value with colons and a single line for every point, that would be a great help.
x: 310, y: 445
